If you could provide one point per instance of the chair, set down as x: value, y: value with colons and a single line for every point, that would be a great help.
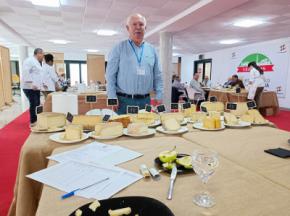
x: 194, y: 96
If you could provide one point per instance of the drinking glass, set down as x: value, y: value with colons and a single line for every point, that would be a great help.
x: 204, y: 163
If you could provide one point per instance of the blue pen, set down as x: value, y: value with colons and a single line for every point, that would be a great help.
x: 72, y: 193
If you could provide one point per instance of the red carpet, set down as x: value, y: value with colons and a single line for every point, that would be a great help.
x: 282, y: 120
x: 12, y: 137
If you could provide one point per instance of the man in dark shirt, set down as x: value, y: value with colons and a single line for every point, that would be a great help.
x: 236, y: 82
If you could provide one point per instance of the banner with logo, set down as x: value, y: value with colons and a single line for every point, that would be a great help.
x: 273, y: 58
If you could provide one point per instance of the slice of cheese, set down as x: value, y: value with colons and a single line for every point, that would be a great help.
x: 231, y: 119
x: 171, y: 124
x: 209, y: 123
x: 73, y: 132
x: 188, y: 112
x: 198, y: 116
x: 177, y: 116
x: 137, y: 128
x: 109, y: 129
x: 50, y: 120
x: 242, y: 109
x: 124, y: 119
x: 87, y: 121
x: 247, y: 118
x: 258, y: 118
x: 213, y: 106
x: 217, y: 123
x: 214, y: 114
x: 147, y: 118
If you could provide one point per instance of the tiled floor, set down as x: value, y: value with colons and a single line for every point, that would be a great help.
x: 9, y: 113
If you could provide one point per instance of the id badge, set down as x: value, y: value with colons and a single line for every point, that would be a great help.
x: 140, y: 71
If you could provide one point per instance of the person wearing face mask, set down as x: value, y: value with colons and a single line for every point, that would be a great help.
x: 31, y: 82
x: 256, y: 82
x: 133, y: 69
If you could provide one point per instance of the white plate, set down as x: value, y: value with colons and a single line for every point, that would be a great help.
x: 180, y: 131
x: 241, y: 124
x: 150, y: 132
x: 156, y: 123
x: 57, y: 137
x: 35, y: 130
x: 92, y: 134
x: 199, y: 125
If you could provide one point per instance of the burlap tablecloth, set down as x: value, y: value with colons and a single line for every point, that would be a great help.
x: 82, y: 106
x: 245, y: 147
x: 268, y: 98
x: 33, y: 158
x: 238, y: 191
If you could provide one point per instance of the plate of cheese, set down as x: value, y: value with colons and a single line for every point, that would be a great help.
x: 150, y: 119
x: 73, y: 134
x: 171, y: 126
x: 254, y: 117
x: 210, y: 124
x: 48, y: 122
x: 109, y: 130
x: 138, y: 130
x: 233, y: 122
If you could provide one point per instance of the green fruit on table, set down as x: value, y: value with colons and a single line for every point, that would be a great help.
x: 168, y: 156
x: 186, y: 162
x: 168, y: 166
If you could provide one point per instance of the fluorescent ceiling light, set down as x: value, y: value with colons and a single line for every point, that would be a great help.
x: 176, y: 54
x: 46, y: 3
x: 57, y: 41
x: 92, y: 50
x: 247, y: 23
x: 105, y: 32
x: 231, y: 41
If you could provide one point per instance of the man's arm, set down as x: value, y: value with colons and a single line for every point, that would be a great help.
x: 26, y: 76
x: 158, y: 79
x: 112, y: 71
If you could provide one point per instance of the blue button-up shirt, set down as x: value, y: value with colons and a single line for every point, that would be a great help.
x: 121, y: 73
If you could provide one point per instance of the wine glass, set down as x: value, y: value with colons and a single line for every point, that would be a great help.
x: 204, y: 163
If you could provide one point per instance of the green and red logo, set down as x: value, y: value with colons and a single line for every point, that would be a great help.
x: 263, y: 61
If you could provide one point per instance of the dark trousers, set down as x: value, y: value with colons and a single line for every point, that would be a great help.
x: 124, y: 102
x: 34, y: 101
x: 258, y: 95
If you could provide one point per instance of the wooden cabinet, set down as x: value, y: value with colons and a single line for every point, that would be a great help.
x: 5, y: 77
x: 96, y: 68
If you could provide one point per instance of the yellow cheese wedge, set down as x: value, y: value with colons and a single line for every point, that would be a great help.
x: 73, y: 132
x: 188, y: 112
x: 171, y: 124
x: 137, y: 128
x: 213, y: 106
x: 109, y: 129
x: 209, y: 123
x: 177, y: 116
x: 230, y: 119
x: 87, y: 121
x: 198, y: 116
x: 50, y: 120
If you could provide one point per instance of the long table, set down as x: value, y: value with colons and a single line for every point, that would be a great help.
x: 245, y: 173
x: 268, y: 99
x: 237, y: 189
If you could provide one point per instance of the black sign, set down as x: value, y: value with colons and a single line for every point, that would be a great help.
x: 186, y: 105
x: 174, y: 106
x: 161, y: 108
x: 69, y: 117
x: 238, y: 90
x: 213, y: 99
x: 106, y: 118
x: 251, y: 104
x: 132, y: 109
x: 39, y: 109
x: 91, y: 98
x: 148, y: 108
x: 112, y: 102
x: 231, y: 106
x: 203, y: 109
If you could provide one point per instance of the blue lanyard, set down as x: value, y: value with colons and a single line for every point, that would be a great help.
x: 142, y: 47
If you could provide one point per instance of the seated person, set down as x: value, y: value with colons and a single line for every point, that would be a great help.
x: 227, y: 83
x: 177, y: 84
x: 236, y: 82
x: 206, y: 82
x: 200, y: 94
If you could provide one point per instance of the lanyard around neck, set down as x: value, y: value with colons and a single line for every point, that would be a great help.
x: 139, y: 59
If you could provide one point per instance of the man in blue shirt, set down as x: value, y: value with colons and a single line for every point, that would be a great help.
x: 133, y: 69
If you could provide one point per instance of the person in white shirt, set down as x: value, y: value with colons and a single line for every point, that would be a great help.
x: 50, y: 77
x: 31, y: 82
x: 206, y: 82
x: 256, y: 82
x: 197, y: 86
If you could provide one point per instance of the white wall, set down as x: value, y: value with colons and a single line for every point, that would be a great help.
x: 221, y: 68
x: 187, y: 67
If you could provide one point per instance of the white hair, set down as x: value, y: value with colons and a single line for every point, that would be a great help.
x: 136, y: 15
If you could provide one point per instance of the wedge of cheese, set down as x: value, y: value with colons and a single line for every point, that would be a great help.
x: 73, y: 132
x: 87, y: 121
x: 109, y: 129
x: 214, y: 114
x: 50, y: 120
x: 258, y: 118
x: 124, y: 119
x: 171, y: 124
x: 209, y: 123
x: 188, y: 112
x: 242, y: 109
x: 147, y: 118
x: 213, y: 106
x: 137, y: 128
x: 247, y: 118
x: 231, y: 119
x: 198, y: 116
x: 177, y: 116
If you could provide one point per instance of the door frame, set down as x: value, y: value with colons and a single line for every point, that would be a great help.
x: 203, y: 61
x: 68, y: 62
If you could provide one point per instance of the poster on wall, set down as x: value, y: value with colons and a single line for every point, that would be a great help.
x: 273, y: 59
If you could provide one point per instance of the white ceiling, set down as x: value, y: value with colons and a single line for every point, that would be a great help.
x: 22, y: 23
